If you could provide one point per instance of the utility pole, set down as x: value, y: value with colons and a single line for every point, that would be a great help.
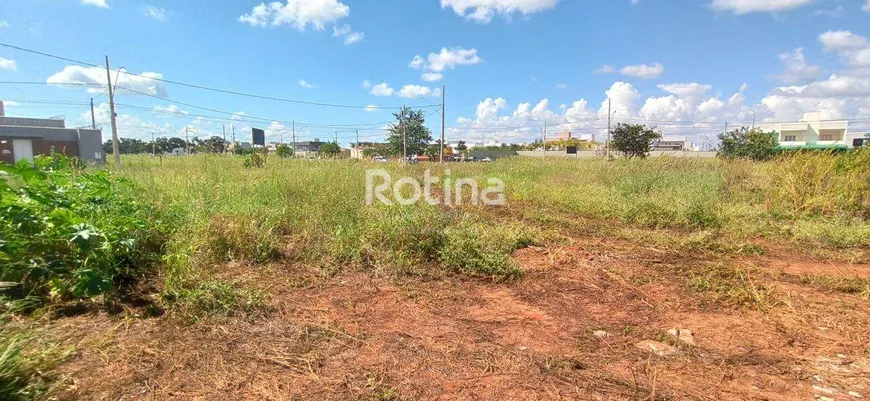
x: 443, y: 97
x: 545, y: 140
x: 116, y: 152
x: 224, y: 129
x: 336, y: 137
x: 186, y: 142
x: 609, y: 116
x: 153, y: 149
x: 233, y: 126
x: 93, y: 119
x: 294, y: 138
x: 358, y: 154
x: 753, y: 120
x: 404, y: 138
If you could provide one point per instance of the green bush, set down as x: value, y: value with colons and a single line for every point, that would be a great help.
x: 254, y: 160
x: 68, y: 233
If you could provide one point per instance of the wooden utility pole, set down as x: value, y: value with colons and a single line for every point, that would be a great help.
x: 116, y: 152
x: 443, y: 97
x: 93, y: 119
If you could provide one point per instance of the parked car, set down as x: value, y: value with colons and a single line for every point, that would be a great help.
x: 380, y: 159
x: 486, y: 159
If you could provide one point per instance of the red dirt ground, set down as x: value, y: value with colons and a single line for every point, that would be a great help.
x: 359, y: 336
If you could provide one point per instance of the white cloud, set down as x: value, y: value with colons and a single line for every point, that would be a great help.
x: 98, y: 3
x: 834, y: 12
x: 642, y: 70
x: 171, y: 109
x: 303, y: 83
x: 129, y: 126
x: 605, y: 69
x: 740, y: 7
x: 417, y: 91
x: 371, y: 108
x: 345, y: 31
x: 482, y: 10
x: 297, y: 13
x: 158, y: 14
x: 4, y: 24
x: 561, y: 87
x: 431, y: 76
x: 143, y: 82
x: 10, y: 103
x: 366, y: 84
x: 382, y: 89
x: 866, y: 6
x: 417, y: 62
x: 450, y: 58
x: 797, y: 70
x: 7, y: 64
x: 853, y: 49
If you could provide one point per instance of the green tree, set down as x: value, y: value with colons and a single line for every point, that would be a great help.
x: 416, y: 132
x: 461, y: 146
x: 748, y: 144
x: 284, y: 151
x: 634, y: 140
x: 433, y: 151
x: 215, y: 144
x: 330, y: 149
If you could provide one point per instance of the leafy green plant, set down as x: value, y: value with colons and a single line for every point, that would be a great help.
x: 66, y: 233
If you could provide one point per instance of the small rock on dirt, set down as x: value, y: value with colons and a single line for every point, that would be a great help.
x: 600, y: 334
x: 855, y: 394
x: 660, y: 349
x: 684, y: 335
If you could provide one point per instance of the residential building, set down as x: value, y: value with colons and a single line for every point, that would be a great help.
x: 672, y: 143
x: 812, y: 132
x: 23, y: 138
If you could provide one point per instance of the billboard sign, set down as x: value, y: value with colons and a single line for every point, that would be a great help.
x: 259, y: 136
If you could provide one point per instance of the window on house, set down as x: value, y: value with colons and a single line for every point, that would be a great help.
x: 790, y: 138
x: 826, y: 137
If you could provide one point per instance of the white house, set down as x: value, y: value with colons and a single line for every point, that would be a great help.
x: 811, y: 132
x: 672, y: 142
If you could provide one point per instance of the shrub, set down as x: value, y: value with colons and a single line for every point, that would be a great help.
x: 748, y: 144
x: 284, y: 151
x: 254, y: 160
x: 68, y: 233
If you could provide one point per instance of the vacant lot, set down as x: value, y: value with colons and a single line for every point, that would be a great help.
x: 280, y: 283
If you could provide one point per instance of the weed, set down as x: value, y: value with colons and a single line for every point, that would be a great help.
x: 732, y: 285
x: 210, y: 298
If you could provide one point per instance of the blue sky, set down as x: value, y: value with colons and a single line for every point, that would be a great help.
x: 509, y: 66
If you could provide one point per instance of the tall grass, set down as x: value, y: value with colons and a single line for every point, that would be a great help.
x: 314, y: 211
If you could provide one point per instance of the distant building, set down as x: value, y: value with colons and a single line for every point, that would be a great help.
x: 672, y: 143
x: 23, y: 138
x: 309, y: 146
x: 811, y: 132
x: 358, y: 152
x: 570, y: 137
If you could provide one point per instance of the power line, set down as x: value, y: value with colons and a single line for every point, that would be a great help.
x: 207, y: 88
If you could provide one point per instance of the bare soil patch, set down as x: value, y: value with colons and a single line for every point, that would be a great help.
x: 566, y: 330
